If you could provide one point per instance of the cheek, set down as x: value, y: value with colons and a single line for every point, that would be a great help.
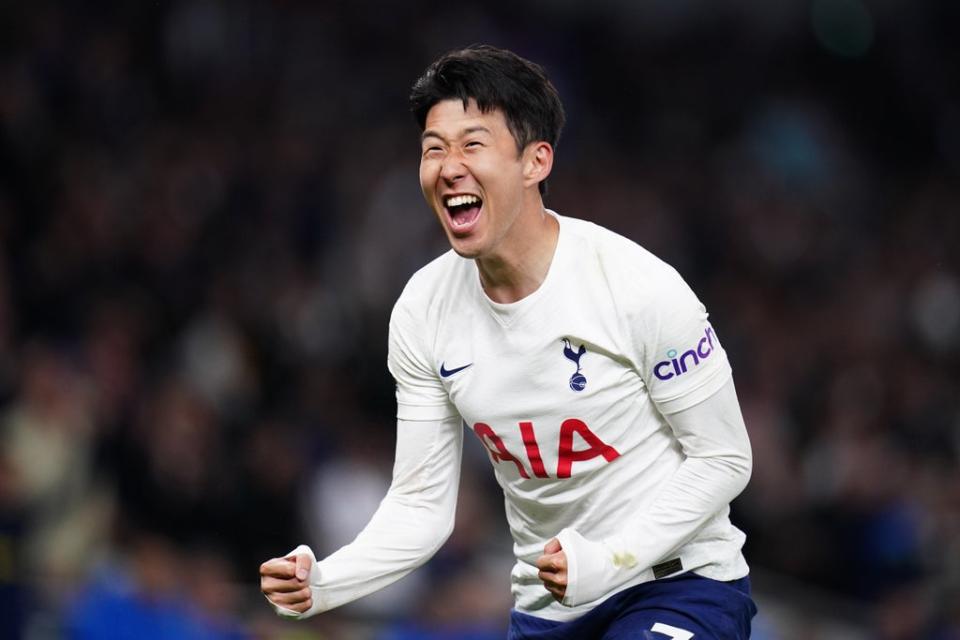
x: 426, y: 183
x: 501, y: 173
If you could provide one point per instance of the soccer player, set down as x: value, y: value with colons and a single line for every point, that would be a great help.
x: 587, y: 368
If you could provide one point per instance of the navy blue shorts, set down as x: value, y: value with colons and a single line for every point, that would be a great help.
x: 683, y: 607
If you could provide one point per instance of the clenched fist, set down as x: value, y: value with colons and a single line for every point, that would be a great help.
x: 285, y: 582
x: 553, y: 569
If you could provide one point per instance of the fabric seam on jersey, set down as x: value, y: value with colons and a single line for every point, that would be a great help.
x: 718, y: 375
x: 624, y: 325
x: 418, y: 409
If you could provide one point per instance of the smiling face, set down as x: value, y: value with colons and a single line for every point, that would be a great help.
x: 474, y: 178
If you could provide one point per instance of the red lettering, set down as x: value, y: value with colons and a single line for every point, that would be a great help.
x: 568, y: 456
x: 533, y: 449
x: 498, y: 452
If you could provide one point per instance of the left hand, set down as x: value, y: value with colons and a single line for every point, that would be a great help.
x: 553, y: 569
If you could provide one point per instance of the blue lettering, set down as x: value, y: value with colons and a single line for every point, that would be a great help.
x: 683, y: 363
x: 656, y: 371
x: 700, y: 351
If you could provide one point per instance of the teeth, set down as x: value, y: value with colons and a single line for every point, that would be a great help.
x: 457, y: 201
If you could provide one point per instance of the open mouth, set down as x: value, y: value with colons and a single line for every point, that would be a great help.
x: 463, y: 210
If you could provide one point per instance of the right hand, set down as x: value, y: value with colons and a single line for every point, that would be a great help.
x: 285, y: 582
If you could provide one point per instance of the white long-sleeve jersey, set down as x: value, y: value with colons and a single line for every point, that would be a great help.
x: 606, y: 402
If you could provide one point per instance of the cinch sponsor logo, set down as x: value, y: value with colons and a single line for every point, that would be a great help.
x: 678, y: 366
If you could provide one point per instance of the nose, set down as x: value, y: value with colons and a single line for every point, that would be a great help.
x: 452, y: 169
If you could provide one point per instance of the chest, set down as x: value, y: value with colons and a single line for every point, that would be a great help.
x: 561, y: 379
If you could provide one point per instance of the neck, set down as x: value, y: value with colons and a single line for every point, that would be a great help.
x: 520, y: 268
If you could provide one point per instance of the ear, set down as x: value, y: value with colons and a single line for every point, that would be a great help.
x: 537, y: 163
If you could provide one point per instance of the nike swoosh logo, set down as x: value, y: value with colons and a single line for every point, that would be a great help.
x: 446, y: 373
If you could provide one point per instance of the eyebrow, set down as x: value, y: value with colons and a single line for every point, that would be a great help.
x: 430, y: 133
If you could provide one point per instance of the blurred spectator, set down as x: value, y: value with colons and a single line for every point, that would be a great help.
x: 147, y: 597
x: 48, y: 439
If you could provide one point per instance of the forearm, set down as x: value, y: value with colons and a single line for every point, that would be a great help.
x: 410, y: 525
x: 400, y: 537
x: 715, y: 471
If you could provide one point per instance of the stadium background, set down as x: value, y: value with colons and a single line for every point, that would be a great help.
x: 207, y: 209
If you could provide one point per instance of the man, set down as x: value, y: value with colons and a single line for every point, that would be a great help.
x: 586, y: 367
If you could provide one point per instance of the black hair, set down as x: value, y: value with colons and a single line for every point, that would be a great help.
x: 495, y: 79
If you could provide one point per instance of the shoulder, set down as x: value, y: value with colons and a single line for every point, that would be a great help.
x: 632, y: 272
x: 430, y: 288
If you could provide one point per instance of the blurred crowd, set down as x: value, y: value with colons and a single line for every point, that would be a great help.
x: 207, y: 209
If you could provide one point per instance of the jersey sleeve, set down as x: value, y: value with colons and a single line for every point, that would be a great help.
x: 412, y: 522
x: 679, y: 355
x: 420, y: 393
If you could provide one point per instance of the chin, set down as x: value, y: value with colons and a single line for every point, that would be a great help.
x: 465, y: 252
x: 464, y: 247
